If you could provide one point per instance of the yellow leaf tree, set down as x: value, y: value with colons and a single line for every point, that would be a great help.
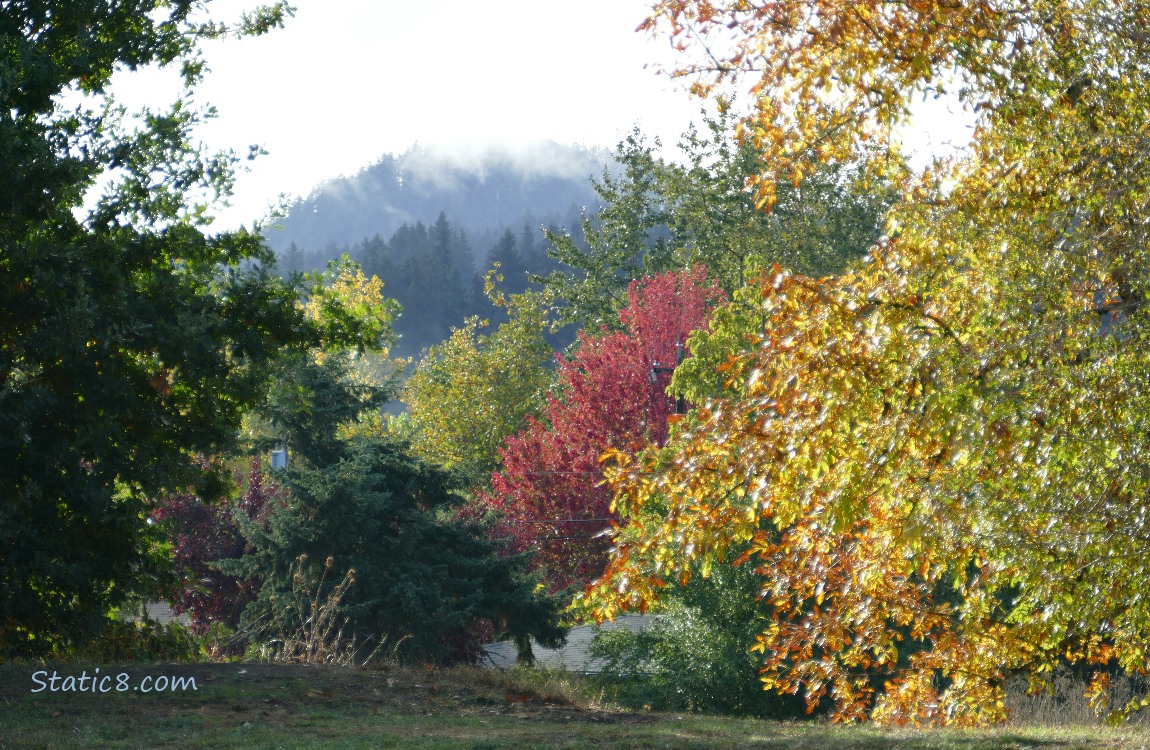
x: 473, y: 390
x: 937, y: 461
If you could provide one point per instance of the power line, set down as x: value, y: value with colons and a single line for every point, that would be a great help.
x: 545, y: 473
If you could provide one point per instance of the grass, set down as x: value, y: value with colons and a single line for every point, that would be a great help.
x: 296, y: 706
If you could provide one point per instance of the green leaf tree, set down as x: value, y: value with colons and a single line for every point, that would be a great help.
x: 624, y: 241
x: 475, y: 389
x: 660, y: 215
x: 131, y: 339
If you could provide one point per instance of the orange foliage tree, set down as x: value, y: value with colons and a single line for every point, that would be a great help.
x: 936, y: 461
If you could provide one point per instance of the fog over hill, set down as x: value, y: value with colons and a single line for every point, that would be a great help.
x: 481, y: 190
x: 431, y: 221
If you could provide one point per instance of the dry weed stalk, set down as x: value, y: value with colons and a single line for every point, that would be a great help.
x: 318, y: 637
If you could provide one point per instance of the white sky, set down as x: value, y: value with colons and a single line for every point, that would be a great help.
x: 349, y: 80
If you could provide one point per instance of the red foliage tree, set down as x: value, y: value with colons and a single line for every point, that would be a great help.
x: 203, y: 533
x: 548, y: 492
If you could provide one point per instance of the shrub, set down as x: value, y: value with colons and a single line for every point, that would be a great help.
x: 202, y: 534
x: 137, y: 640
x: 697, y: 655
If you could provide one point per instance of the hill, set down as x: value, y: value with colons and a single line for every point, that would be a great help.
x: 430, y: 222
x: 481, y: 191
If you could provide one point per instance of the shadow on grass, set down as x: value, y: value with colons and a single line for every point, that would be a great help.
x: 294, y: 706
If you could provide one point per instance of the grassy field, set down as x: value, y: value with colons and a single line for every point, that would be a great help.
x: 280, y: 706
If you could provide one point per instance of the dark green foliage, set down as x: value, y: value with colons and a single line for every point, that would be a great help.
x: 697, y: 655
x: 428, y: 268
x: 425, y: 268
x: 432, y: 274
x: 130, y: 340
x: 511, y: 263
x: 421, y: 576
x: 816, y: 228
x: 308, y: 403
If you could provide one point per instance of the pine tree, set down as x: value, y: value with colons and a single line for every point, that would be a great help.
x: 512, y: 265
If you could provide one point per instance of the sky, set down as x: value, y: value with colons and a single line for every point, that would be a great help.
x: 347, y: 81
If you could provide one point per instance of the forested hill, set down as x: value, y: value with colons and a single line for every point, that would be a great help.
x: 430, y: 222
x: 481, y: 191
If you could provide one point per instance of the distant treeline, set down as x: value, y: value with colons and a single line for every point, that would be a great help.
x: 430, y: 224
x: 437, y: 275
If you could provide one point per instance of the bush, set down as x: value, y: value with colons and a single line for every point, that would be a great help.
x: 203, y: 533
x: 137, y: 640
x: 697, y: 655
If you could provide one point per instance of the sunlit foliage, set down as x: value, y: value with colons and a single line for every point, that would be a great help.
x: 473, y: 390
x: 612, y: 393
x: 938, y: 460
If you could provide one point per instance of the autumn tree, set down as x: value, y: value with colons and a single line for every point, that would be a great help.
x: 934, y: 463
x: 612, y: 393
x: 202, y: 533
x: 474, y: 390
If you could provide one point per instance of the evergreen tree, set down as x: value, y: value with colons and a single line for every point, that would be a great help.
x: 422, y: 581
x: 464, y: 256
x: 293, y: 260
x: 374, y: 256
x: 309, y: 404
x: 512, y: 264
x: 443, y: 284
x: 478, y: 303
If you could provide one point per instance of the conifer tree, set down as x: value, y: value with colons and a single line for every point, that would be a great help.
x: 423, y: 583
